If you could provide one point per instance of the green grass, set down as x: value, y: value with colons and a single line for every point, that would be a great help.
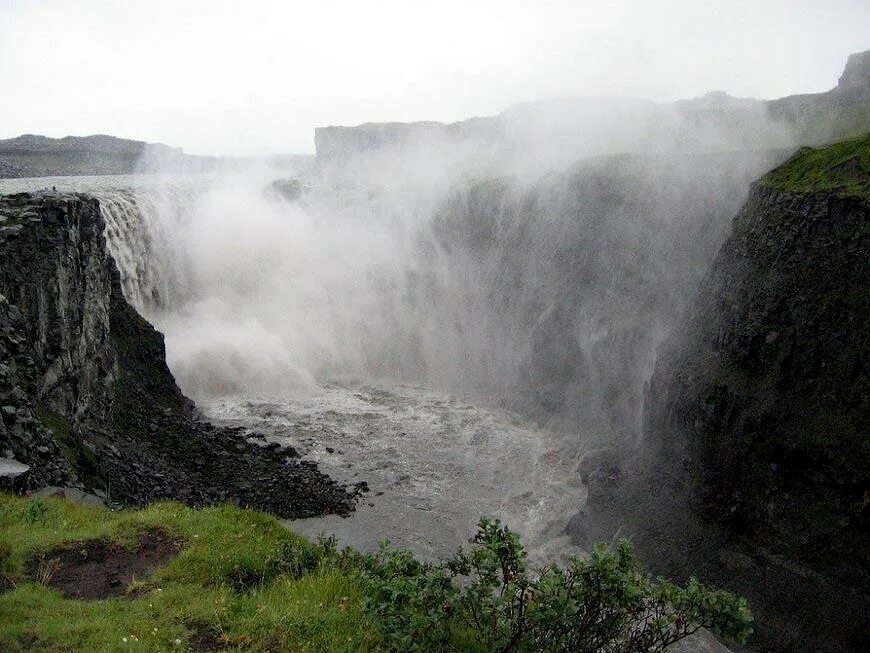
x: 243, y: 582
x: 842, y: 168
x: 199, y: 590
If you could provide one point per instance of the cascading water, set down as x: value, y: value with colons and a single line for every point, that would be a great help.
x: 337, y: 317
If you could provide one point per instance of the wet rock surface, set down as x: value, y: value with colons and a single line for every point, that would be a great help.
x: 758, y: 419
x: 86, y: 398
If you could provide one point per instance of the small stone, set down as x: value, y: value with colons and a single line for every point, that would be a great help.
x: 362, y: 486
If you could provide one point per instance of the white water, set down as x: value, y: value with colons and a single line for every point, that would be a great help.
x: 318, y: 320
x: 434, y: 463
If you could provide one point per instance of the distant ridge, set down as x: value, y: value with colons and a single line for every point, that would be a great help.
x: 32, y: 155
x: 95, y: 143
x: 609, y: 125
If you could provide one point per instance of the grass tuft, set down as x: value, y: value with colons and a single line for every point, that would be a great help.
x: 842, y: 168
x: 195, y: 596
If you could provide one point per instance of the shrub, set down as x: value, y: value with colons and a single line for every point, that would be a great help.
x: 297, y: 559
x: 36, y: 511
x: 487, y: 598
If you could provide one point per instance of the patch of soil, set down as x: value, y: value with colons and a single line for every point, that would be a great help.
x: 6, y: 583
x: 99, y: 569
x: 205, y: 639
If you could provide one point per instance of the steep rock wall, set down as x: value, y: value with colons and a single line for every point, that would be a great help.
x: 759, y: 410
x: 768, y: 381
x: 568, y: 287
x: 86, y: 393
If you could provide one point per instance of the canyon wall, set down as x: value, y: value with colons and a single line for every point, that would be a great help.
x: 86, y: 395
x: 556, y: 132
x: 756, y: 464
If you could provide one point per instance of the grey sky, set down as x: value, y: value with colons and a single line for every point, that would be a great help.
x: 255, y: 77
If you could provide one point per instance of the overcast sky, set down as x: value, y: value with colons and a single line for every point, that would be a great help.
x: 256, y: 77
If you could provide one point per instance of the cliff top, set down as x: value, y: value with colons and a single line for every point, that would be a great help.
x: 843, y: 168
x: 101, y: 143
x: 857, y: 71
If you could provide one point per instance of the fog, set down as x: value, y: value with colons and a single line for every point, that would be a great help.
x: 232, y: 77
x: 533, y: 263
x: 532, y: 260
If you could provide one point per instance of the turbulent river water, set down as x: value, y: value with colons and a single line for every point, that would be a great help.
x: 457, y: 341
x: 433, y: 462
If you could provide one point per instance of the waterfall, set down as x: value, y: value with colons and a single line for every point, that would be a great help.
x: 134, y: 239
x: 547, y: 296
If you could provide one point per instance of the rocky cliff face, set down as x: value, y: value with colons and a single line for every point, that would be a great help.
x: 841, y: 112
x: 769, y: 378
x: 759, y: 407
x: 86, y: 395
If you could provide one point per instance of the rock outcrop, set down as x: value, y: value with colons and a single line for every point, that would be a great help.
x: 758, y: 412
x: 85, y: 394
x: 841, y: 112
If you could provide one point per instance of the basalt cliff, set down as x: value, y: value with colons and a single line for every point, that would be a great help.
x: 756, y: 468
x: 85, y: 394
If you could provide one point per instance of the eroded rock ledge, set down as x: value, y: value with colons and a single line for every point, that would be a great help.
x: 86, y: 398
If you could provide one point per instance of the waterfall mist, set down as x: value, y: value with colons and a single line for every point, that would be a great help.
x: 531, y: 262
x: 480, y: 265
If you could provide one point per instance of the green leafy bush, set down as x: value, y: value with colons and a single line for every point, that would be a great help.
x: 488, y: 600
x: 36, y: 511
x: 297, y: 560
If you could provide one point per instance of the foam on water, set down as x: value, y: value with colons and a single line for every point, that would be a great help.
x: 433, y: 463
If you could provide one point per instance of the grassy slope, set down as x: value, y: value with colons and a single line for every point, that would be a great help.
x: 320, y: 611
x: 842, y: 168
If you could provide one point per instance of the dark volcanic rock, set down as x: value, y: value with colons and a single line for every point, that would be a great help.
x: 769, y: 378
x: 93, y: 400
x: 759, y: 424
